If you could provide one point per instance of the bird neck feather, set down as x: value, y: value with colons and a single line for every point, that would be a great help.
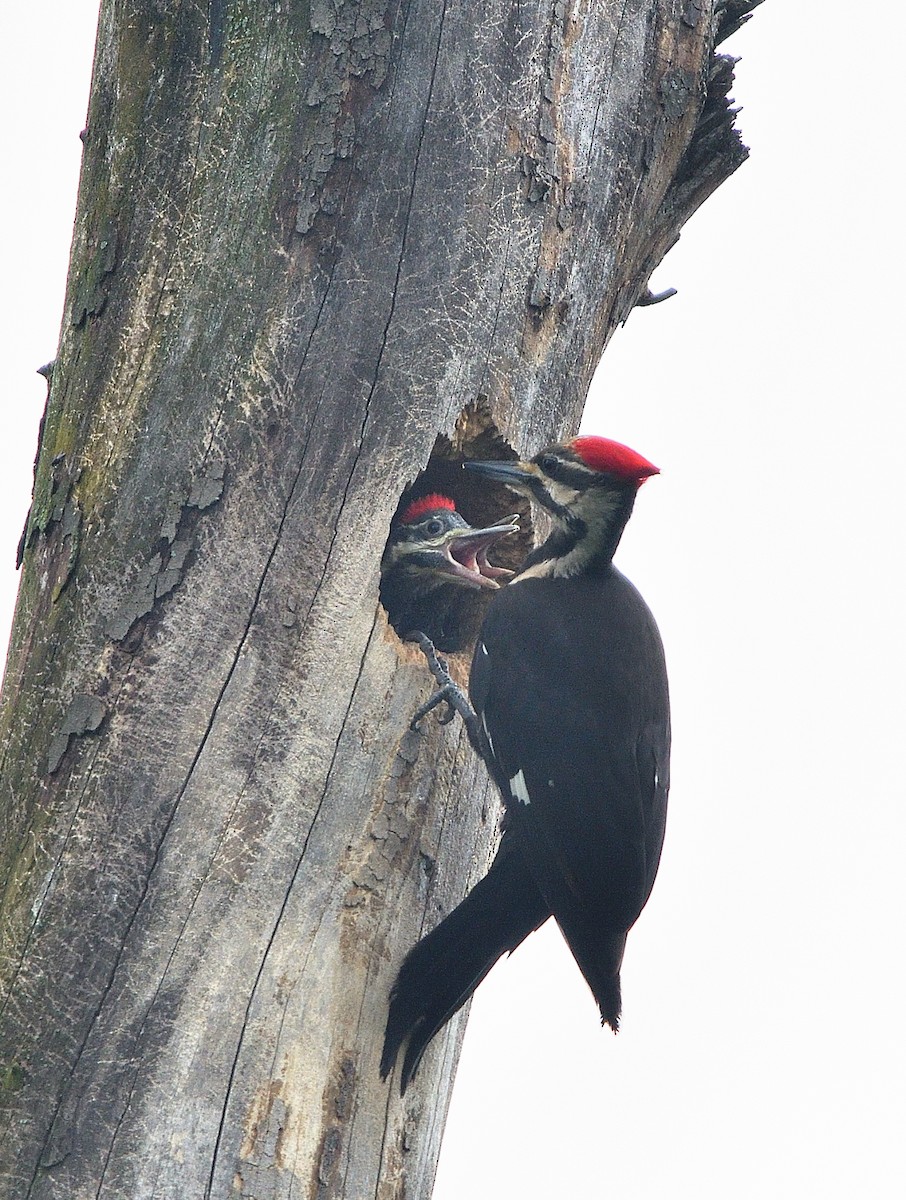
x: 585, y: 536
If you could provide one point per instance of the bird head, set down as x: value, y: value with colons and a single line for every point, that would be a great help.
x: 432, y: 544
x: 588, y: 487
x: 574, y: 480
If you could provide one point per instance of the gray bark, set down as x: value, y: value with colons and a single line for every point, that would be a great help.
x: 311, y: 239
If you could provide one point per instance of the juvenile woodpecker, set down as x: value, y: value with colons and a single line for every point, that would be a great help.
x: 569, y: 684
x: 433, y: 564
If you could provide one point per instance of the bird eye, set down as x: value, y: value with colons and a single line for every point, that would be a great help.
x: 547, y: 462
x: 434, y: 527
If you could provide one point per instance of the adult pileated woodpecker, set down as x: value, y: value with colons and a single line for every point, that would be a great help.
x: 432, y: 566
x: 570, y: 687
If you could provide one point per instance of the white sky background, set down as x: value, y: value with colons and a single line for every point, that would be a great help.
x: 762, y: 1050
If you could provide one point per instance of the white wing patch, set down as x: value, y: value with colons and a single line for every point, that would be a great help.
x: 518, y: 788
x: 484, y: 726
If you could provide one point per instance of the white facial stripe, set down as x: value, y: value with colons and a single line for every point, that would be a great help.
x: 542, y: 570
x: 518, y: 788
x: 561, y: 493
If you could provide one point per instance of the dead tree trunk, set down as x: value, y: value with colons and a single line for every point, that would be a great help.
x: 314, y: 243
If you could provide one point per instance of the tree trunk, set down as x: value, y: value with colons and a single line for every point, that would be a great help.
x: 314, y: 243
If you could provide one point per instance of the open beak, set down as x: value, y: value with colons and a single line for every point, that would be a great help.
x: 465, y: 554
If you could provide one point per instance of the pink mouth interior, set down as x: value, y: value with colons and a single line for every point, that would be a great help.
x: 470, y: 554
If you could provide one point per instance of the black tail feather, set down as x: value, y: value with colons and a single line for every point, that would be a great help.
x: 598, y: 952
x: 589, y: 923
x: 443, y: 970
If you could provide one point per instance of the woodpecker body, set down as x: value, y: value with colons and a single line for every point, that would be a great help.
x: 577, y: 721
x: 568, y: 680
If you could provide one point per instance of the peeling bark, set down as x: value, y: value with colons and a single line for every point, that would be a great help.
x: 310, y: 238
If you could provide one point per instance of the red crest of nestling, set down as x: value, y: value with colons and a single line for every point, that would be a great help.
x: 426, y: 504
x: 601, y: 454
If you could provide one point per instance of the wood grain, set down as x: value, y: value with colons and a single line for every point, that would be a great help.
x: 308, y: 237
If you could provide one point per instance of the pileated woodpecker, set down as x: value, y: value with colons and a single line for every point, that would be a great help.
x: 569, y: 685
x: 432, y: 566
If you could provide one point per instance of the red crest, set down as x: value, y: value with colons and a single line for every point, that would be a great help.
x: 601, y: 454
x: 426, y: 504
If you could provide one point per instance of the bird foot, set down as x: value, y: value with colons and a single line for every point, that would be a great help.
x: 450, y: 693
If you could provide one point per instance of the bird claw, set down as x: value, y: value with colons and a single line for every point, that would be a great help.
x: 450, y: 693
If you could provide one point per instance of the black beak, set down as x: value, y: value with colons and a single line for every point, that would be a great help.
x: 513, y: 474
